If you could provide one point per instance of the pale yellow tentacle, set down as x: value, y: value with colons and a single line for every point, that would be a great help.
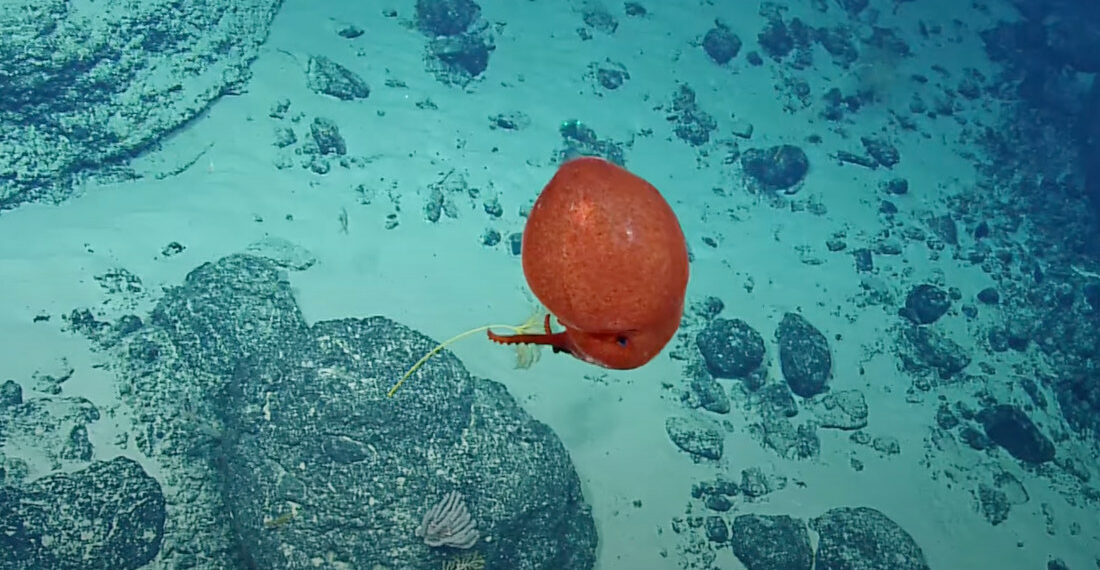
x: 524, y: 356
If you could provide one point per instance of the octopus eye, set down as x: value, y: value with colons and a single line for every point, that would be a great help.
x: 622, y: 340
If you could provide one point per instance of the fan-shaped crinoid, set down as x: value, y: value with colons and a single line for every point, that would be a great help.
x: 465, y: 561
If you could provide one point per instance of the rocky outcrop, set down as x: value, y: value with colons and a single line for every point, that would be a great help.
x: 87, y: 84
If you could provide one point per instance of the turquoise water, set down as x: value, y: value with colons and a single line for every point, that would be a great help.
x: 228, y: 230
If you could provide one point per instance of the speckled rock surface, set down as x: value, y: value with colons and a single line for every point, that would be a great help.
x: 85, y: 85
x: 286, y: 426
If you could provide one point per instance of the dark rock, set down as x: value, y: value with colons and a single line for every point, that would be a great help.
x: 998, y: 340
x: 708, y: 308
x: 766, y: 542
x: 840, y: 44
x: 804, y: 356
x: 945, y: 228
x: 787, y: 439
x: 77, y: 447
x: 327, y: 77
x: 853, y: 158
x: 926, y: 349
x: 693, y: 125
x: 888, y: 39
x: 886, y: 445
x: 1013, y: 489
x: 974, y: 438
x: 776, y: 168
x: 490, y: 238
x: 110, y: 515
x: 279, y: 109
x: 128, y: 324
x: 1091, y: 293
x: 510, y: 122
x: 730, y: 348
x: 925, y: 304
x: 755, y: 483
x: 349, y: 31
x: 718, y: 502
x: 458, y: 60
x: 1009, y: 427
x: 581, y: 140
x: 697, y: 436
x: 965, y: 411
x: 863, y: 538
x: 864, y: 260
x: 709, y: 395
x: 492, y: 207
x: 54, y: 427
x: 846, y: 410
x: 150, y: 68
x: 854, y: 7
x: 721, y: 44
x: 284, y: 137
x: 755, y: 379
x: 326, y: 135
x: 228, y: 290
x: 807, y: 444
x: 981, y: 230
x: 235, y: 324
x: 884, y: 153
x: 917, y: 105
x: 898, y: 186
x: 445, y: 17
x: 724, y: 486
x: 775, y: 39
x: 989, y: 296
x: 776, y: 398
x: 838, y: 105
x: 716, y: 528
x: 802, y: 36
x: 970, y: 88
x: 635, y: 9
x: 11, y: 394
x: 993, y: 503
x: 1090, y: 148
x: 1018, y: 330
x: 719, y: 486
x: 1034, y: 392
x: 119, y: 280
x: 945, y: 418
x: 596, y: 16
x: 173, y: 248
x: 611, y: 75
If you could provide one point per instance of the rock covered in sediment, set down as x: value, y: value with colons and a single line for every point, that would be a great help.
x: 88, y: 84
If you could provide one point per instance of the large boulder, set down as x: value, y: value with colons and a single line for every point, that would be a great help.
x: 309, y: 456
x: 109, y: 515
x: 1009, y: 427
x: 85, y: 84
x: 804, y: 356
x: 771, y: 542
x: 864, y: 538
